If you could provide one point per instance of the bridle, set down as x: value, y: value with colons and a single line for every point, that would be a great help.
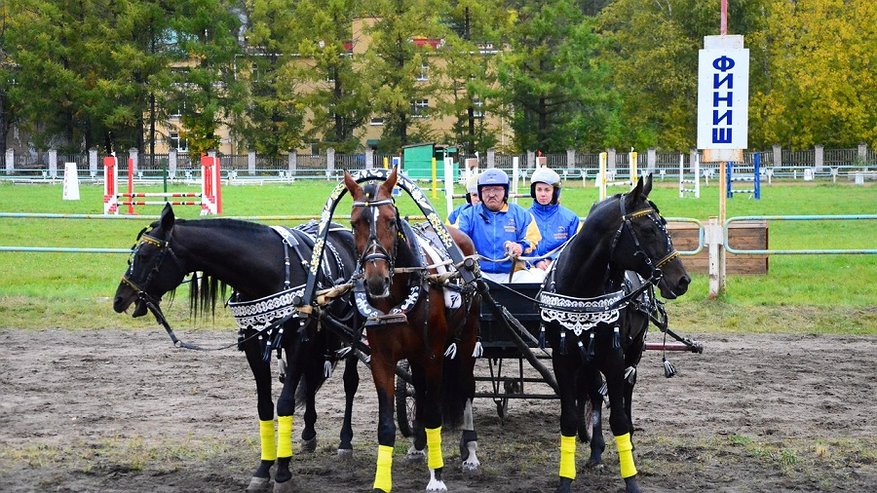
x: 143, y: 296
x: 627, y: 224
x: 374, y: 250
x: 165, y: 250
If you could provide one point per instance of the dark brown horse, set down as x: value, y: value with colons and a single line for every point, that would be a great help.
x: 587, y: 317
x: 408, y: 318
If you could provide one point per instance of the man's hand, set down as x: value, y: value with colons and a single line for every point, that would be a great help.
x: 543, y: 264
x: 514, y: 249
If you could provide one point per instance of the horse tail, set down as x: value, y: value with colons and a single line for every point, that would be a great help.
x: 319, y: 352
x: 456, y: 390
x: 301, y: 390
x: 459, y: 380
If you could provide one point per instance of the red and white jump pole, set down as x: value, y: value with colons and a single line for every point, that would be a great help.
x: 111, y: 200
x: 130, y: 185
x: 211, y: 186
x: 210, y: 195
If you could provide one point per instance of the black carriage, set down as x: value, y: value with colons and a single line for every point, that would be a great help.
x: 510, y: 330
x: 510, y: 325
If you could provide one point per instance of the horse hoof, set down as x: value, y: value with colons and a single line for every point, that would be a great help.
x: 258, y: 485
x: 415, y: 455
x: 471, y: 467
x: 284, y: 487
x: 309, y: 445
x: 345, y: 453
x: 565, y: 486
x: 436, y: 485
x: 594, y: 464
x: 630, y: 485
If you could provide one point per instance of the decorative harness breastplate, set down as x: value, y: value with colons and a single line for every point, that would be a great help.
x: 580, y: 314
x: 278, y: 308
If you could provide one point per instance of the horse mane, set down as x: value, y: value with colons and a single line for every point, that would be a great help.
x: 204, y: 290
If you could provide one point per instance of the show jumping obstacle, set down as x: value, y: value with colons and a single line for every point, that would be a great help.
x: 603, y: 176
x: 755, y: 179
x: 210, y: 195
x: 694, y: 182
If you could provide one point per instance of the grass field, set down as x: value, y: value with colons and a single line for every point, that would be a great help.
x: 801, y: 293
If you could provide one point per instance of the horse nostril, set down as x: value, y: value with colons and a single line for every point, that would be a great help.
x: 683, y: 284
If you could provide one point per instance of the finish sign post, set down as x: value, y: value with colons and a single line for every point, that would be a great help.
x: 722, y: 126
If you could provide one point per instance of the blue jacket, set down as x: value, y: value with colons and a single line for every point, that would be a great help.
x: 452, y: 218
x: 490, y: 230
x: 556, y: 223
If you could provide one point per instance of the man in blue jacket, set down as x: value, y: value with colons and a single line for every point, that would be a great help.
x: 556, y: 223
x: 497, y: 227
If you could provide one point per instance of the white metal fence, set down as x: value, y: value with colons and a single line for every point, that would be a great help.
x: 782, y: 164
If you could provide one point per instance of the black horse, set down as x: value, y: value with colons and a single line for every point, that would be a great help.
x: 267, y: 268
x: 591, y: 323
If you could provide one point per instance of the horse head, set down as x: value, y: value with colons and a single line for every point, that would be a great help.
x: 375, y: 223
x: 644, y: 244
x: 153, y: 269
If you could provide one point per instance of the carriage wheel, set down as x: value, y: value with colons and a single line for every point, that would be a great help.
x: 405, y: 403
x: 586, y: 422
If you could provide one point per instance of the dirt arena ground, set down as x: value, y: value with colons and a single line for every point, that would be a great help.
x: 113, y: 411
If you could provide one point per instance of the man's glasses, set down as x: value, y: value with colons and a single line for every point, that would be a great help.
x: 492, y: 190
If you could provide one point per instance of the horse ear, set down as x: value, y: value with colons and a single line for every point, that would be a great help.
x: 352, y: 187
x: 391, y: 181
x: 647, y: 187
x: 167, y: 218
x: 631, y: 198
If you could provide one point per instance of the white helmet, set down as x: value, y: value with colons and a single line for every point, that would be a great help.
x: 472, y: 187
x: 549, y: 177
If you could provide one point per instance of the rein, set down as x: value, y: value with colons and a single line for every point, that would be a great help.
x: 154, y: 307
x: 583, y: 314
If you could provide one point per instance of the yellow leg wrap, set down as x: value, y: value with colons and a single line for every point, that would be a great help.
x: 568, y: 457
x: 625, y: 455
x: 384, y: 472
x: 434, y: 446
x: 284, y: 436
x: 266, y: 437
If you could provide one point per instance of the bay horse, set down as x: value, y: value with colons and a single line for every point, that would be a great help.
x: 409, y: 318
x: 266, y: 267
x: 586, y: 314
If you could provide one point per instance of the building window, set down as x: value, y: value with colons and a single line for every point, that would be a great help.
x: 477, y: 107
x: 376, y: 121
x: 178, y: 144
x: 177, y: 111
x: 423, y: 73
x: 419, y: 108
